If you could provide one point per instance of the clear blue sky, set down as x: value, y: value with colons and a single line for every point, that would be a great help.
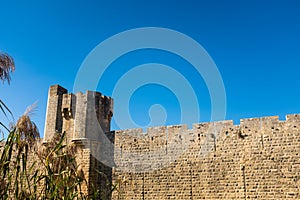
x: 255, y: 45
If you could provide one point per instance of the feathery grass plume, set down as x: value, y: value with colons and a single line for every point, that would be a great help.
x: 26, y: 128
x: 7, y: 66
x: 30, y: 110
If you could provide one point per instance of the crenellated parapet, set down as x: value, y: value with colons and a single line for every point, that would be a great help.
x: 255, y: 159
x: 81, y: 116
x: 164, y: 144
x: 209, y: 129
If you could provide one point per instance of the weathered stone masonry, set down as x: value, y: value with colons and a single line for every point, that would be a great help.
x: 84, y: 118
x: 257, y: 159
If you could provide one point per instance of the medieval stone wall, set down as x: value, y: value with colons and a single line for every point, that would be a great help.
x: 258, y: 159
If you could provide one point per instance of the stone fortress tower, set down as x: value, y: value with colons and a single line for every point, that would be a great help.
x: 256, y: 159
x: 77, y: 114
x: 85, y: 119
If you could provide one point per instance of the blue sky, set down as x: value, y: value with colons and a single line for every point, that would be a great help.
x: 254, y: 44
